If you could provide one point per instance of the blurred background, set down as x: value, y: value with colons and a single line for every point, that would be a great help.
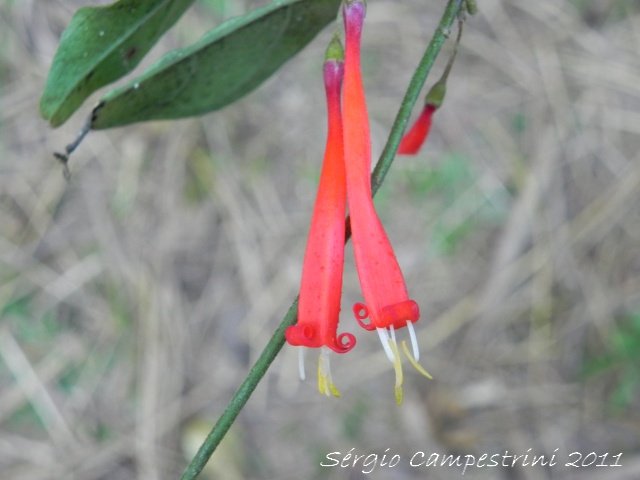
x: 135, y: 298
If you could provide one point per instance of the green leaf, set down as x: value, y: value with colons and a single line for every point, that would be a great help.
x: 100, y: 45
x: 227, y: 63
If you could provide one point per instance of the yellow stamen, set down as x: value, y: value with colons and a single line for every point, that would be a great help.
x: 397, y: 366
x: 413, y: 361
x: 325, y: 382
x: 322, y: 379
x: 334, y: 390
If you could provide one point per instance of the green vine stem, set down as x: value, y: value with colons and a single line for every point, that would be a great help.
x: 241, y: 396
x: 413, y: 91
x: 277, y: 341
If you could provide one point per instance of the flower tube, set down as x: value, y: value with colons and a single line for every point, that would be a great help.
x: 321, y: 285
x: 387, y: 303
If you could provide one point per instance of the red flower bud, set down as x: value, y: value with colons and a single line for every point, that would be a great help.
x: 417, y: 135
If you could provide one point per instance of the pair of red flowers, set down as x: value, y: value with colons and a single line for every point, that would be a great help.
x: 346, y: 175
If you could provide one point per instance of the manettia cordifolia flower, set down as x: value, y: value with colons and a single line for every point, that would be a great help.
x: 388, y: 305
x: 415, y: 137
x: 321, y: 285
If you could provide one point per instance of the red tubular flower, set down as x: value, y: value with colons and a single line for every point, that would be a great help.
x: 388, y: 305
x: 380, y: 277
x: 321, y: 286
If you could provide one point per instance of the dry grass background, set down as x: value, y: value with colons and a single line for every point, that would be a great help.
x: 135, y: 298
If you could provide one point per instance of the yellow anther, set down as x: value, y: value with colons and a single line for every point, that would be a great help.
x: 334, y: 390
x: 325, y: 383
x: 415, y: 364
x: 398, y: 395
x: 397, y: 366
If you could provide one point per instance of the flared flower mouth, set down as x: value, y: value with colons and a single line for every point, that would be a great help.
x: 307, y: 335
x: 394, y: 315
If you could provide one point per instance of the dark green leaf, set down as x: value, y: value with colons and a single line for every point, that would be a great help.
x: 100, y: 45
x: 226, y: 64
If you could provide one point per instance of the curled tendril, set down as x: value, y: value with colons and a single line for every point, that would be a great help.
x: 361, y: 312
x: 308, y: 336
x: 344, y: 343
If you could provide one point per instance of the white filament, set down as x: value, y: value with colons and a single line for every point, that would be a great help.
x: 414, y: 340
x: 325, y: 364
x: 393, y: 334
x: 301, y: 363
x: 384, y: 339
